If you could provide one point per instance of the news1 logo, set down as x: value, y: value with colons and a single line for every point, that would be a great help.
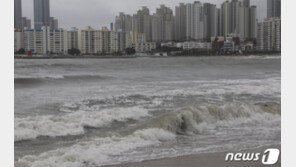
x: 269, y: 156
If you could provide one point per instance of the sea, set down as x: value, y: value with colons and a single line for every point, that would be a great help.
x: 96, y: 112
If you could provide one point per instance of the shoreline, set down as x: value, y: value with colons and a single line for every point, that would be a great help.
x: 135, y: 56
x: 204, y: 160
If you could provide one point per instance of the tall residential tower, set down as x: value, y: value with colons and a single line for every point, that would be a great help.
x: 194, y: 21
x: 41, y: 13
x: 180, y: 22
x: 162, y: 24
x: 142, y: 22
x: 273, y: 8
x: 210, y: 21
x: 18, y: 14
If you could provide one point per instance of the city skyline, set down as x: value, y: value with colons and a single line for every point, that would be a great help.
x: 234, y: 20
x: 97, y: 15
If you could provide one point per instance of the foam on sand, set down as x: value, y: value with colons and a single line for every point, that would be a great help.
x: 99, y: 151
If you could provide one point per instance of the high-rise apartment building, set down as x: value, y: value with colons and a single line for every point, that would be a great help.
x: 210, y: 21
x: 219, y: 23
x: 45, y: 41
x: 180, y: 22
x: 123, y: 40
x: 72, y: 38
x: 162, y: 24
x: 41, y: 13
x: 269, y: 35
x: 53, y: 23
x: 194, y: 21
x: 234, y: 9
x: 91, y: 41
x: 247, y: 22
x: 273, y: 8
x: 123, y: 22
x: 142, y: 22
x: 18, y: 14
x: 238, y: 18
x: 26, y: 23
x: 246, y: 3
x: 243, y: 30
x: 226, y: 18
x: 253, y: 22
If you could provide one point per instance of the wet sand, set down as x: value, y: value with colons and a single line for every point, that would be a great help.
x: 203, y: 160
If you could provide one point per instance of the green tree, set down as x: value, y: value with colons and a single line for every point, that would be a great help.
x: 130, y: 51
x: 21, y: 51
x: 73, y: 51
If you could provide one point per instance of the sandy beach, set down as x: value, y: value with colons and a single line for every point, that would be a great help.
x: 203, y: 160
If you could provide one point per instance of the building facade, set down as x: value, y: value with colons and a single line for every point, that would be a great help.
x: 123, y: 22
x: 41, y: 13
x: 196, y: 45
x: 72, y: 38
x: 253, y: 22
x: 18, y: 40
x: 225, y: 18
x: 162, y: 24
x: 53, y: 23
x: 142, y: 23
x: 238, y: 18
x: 18, y: 14
x: 269, y: 35
x: 210, y: 21
x: 26, y: 23
x: 45, y: 41
x: 273, y: 8
x: 194, y: 21
x: 180, y: 22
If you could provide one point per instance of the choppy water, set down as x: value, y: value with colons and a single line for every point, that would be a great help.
x: 93, y: 112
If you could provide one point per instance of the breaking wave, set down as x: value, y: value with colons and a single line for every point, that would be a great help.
x: 104, y: 151
x: 69, y: 78
x: 198, y: 119
x: 97, y: 152
x: 72, y: 123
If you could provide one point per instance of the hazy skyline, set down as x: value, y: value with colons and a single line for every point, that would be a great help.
x: 98, y: 13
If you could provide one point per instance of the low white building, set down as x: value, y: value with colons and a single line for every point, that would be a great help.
x: 218, y: 38
x: 196, y: 45
x: 145, y: 47
x: 139, y: 43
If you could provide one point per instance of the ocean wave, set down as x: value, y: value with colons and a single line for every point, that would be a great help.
x: 167, y: 93
x: 71, y: 78
x: 98, y: 151
x: 72, y: 123
x: 154, y: 132
x: 198, y: 119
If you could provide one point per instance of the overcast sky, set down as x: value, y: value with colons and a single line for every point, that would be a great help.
x: 98, y: 13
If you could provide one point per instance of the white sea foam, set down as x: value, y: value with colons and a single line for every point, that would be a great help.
x: 266, y: 87
x: 72, y: 123
x: 105, y: 151
x: 198, y: 119
x: 100, y: 151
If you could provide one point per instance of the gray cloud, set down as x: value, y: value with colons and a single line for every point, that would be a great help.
x: 98, y: 13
